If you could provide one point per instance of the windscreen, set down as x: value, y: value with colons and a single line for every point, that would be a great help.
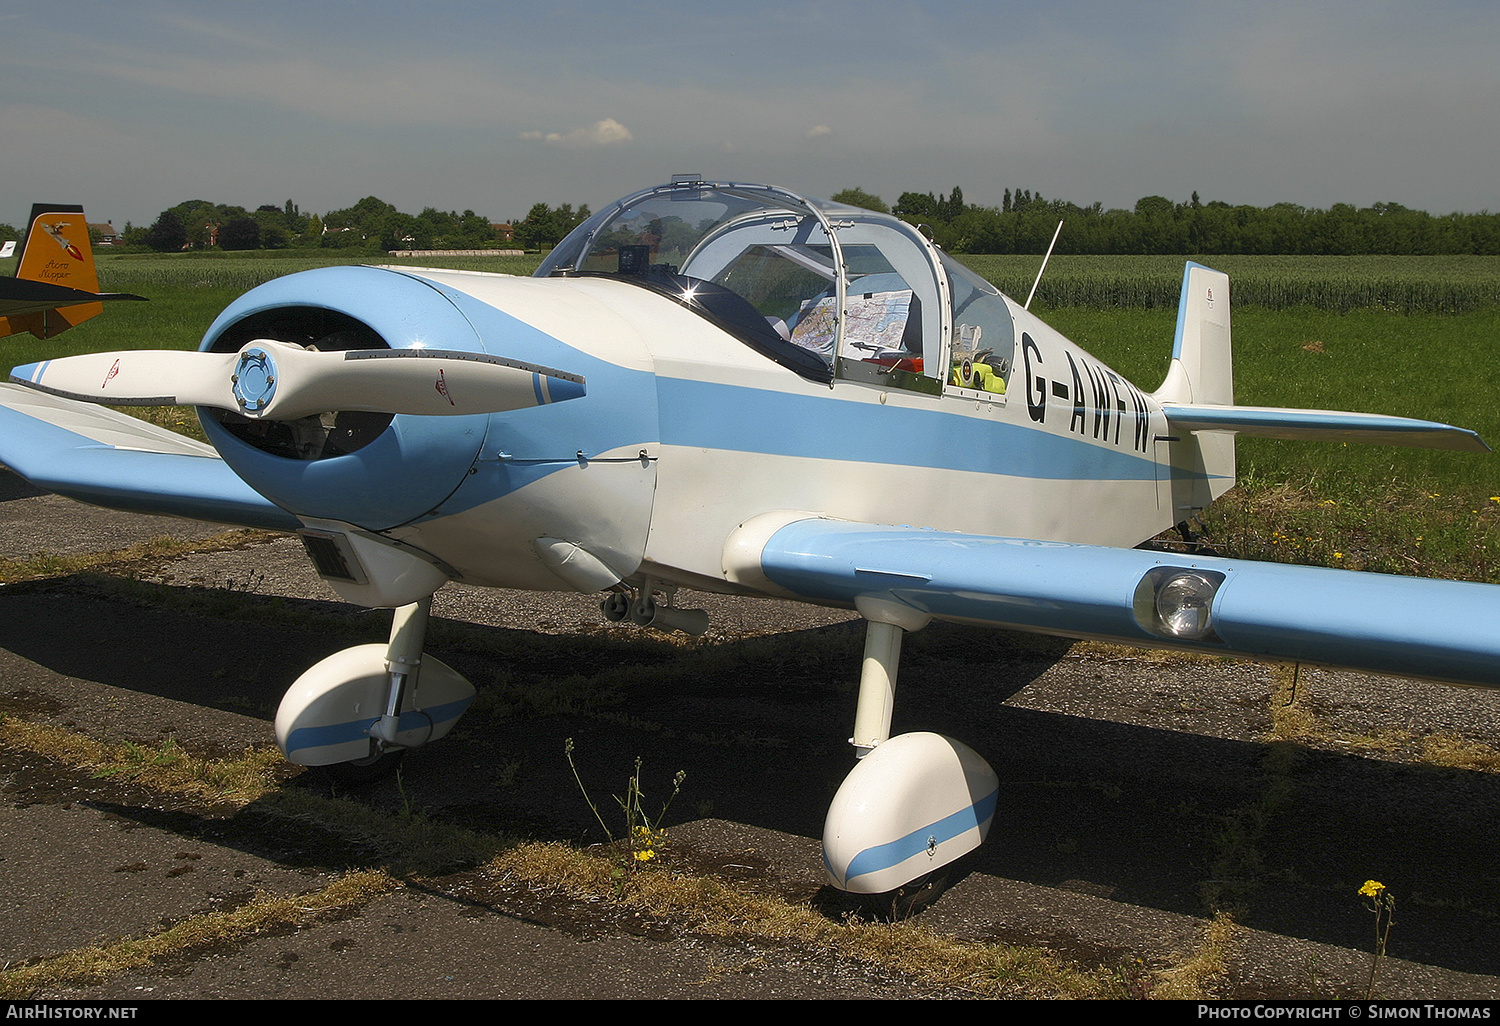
x: 820, y: 288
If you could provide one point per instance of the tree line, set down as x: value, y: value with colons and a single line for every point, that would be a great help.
x: 1023, y: 223
x: 371, y: 225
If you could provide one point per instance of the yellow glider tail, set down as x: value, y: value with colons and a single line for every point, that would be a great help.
x: 56, y: 286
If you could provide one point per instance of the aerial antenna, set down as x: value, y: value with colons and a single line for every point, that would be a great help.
x: 1043, y: 267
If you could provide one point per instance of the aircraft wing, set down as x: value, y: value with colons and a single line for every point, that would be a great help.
x: 107, y: 458
x: 1412, y: 627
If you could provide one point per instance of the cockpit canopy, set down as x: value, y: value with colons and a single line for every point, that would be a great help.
x: 824, y: 289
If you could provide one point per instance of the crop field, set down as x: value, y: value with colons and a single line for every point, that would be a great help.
x: 1395, y: 284
x: 1413, y: 336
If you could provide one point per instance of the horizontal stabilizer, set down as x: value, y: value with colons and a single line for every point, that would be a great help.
x: 1407, y: 626
x: 19, y: 296
x: 108, y: 458
x: 1322, y: 426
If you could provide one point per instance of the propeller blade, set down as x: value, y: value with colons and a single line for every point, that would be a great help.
x: 270, y: 380
x: 144, y: 377
x: 425, y: 382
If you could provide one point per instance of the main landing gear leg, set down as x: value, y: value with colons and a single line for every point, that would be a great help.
x: 877, y: 687
x: 359, y: 710
x: 913, y: 803
x: 403, y: 658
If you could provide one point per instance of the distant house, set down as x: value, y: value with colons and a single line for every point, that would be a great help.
x: 105, y: 233
x: 504, y: 231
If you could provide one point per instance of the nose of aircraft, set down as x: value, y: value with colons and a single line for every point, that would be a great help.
x: 340, y: 452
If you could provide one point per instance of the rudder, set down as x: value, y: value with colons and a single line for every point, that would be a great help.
x: 1202, y: 373
x: 1202, y: 369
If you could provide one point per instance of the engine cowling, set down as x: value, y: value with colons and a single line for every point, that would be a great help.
x: 375, y: 470
x: 551, y: 492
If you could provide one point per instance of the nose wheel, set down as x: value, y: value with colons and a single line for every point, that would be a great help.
x: 357, y: 772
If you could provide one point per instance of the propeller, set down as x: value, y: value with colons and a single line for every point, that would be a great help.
x: 271, y: 380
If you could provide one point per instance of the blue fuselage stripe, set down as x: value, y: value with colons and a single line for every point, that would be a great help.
x: 699, y: 414
x: 736, y: 419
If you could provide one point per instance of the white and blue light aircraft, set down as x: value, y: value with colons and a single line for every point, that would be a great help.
x: 730, y: 388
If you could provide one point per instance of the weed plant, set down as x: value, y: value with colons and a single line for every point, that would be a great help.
x: 1379, y: 901
x: 644, y: 837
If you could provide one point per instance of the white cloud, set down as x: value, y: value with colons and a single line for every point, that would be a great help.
x: 608, y: 132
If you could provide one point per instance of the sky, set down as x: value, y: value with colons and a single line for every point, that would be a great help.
x: 133, y: 106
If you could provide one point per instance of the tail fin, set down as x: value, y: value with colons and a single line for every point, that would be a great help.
x: 57, y: 256
x: 1198, y: 393
x: 57, y: 249
x: 1201, y: 372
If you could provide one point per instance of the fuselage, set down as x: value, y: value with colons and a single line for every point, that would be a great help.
x: 728, y: 434
x: 746, y: 354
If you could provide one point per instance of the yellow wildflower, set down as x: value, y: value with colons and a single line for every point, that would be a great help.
x: 1372, y: 888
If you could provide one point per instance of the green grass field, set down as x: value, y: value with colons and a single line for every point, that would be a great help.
x: 1413, y: 336
x: 1366, y: 507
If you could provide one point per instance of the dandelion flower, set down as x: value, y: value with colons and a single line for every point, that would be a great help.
x: 1372, y: 888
